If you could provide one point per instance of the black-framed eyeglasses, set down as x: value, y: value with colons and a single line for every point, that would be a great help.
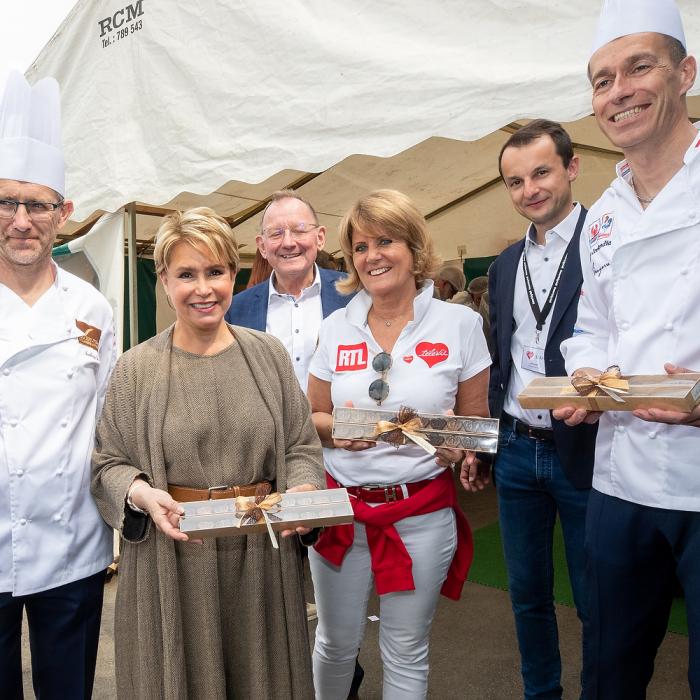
x: 276, y: 233
x: 379, y: 388
x: 35, y: 210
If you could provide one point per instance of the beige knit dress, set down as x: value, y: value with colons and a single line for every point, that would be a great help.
x: 224, y: 619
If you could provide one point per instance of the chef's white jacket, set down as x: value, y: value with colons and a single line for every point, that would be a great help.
x: 52, y: 386
x: 639, y: 308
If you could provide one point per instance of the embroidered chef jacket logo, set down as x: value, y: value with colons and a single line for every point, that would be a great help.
x: 601, y: 228
x: 351, y: 357
x: 432, y: 353
x: 91, y: 336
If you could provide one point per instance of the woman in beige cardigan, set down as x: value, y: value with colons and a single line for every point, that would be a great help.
x: 201, y: 405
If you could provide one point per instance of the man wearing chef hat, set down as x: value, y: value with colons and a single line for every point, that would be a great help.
x: 640, y: 309
x: 56, y: 353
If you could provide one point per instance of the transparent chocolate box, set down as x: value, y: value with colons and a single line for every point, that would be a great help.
x: 461, y: 432
x: 223, y: 517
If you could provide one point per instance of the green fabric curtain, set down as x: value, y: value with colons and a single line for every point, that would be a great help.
x: 476, y: 267
x: 146, y: 283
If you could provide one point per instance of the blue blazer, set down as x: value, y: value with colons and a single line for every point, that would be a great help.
x: 249, y: 308
x: 575, y: 446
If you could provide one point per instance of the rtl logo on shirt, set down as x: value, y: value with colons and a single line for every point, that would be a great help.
x: 351, y: 358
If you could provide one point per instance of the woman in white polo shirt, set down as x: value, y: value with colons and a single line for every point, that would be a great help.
x: 393, y: 345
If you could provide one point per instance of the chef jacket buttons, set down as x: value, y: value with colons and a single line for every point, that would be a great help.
x: 625, y: 326
x: 57, y: 518
x: 668, y: 327
x: 23, y: 521
x: 13, y: 423
x: 651, y: 435
x: 64, y: 423
x: 6, y: 371
x: 20, y: 472
x: 70, y: 374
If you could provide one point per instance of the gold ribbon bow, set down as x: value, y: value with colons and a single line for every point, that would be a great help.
x: 252, y: 511
x: 408, y: 423
x: 609, y: 382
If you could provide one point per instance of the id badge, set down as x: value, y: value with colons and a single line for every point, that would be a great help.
x: 533, y: 359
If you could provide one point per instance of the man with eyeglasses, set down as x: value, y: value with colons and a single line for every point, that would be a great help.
x: 299, y: 294
x: 57, y: 351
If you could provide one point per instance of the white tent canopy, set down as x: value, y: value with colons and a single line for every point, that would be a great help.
x: 162, y: 97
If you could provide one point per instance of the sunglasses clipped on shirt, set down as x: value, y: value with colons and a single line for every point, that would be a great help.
x: 379, y: 388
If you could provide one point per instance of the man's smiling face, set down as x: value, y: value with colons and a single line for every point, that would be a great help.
x: 290, y: 257
x: 638, y: 89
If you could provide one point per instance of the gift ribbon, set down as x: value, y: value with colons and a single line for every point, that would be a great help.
x: 248, y: 508
x: 609, y: 382
x: 408, y: 424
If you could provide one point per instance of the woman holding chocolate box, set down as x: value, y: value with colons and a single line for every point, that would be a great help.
x: 217, y: 410
x: 393, y: 345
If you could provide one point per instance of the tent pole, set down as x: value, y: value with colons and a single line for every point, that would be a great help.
x: 133, y: 287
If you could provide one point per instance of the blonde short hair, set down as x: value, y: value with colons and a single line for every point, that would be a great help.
x: 198, y: 226
x: 391, y: 213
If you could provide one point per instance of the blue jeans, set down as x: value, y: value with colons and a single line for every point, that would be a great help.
x: 532, y: 489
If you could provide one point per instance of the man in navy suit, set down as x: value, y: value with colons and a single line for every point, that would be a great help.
x: 298, y: 295
x: 543, y: 467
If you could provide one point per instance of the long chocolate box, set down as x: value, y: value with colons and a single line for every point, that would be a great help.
x: 462, y: 432
x: 218, y: 518
x: 675, y: 392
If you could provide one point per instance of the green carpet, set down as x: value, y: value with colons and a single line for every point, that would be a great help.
x: 489, y: 569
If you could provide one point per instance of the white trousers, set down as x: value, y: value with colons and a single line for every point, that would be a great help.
x: 404, y: 617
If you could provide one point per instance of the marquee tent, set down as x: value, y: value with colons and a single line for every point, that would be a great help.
x: 174, y: 104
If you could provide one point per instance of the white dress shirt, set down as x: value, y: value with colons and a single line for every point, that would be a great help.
x: 639, y: 308
x: 543, y: 262
x: 296, y: 322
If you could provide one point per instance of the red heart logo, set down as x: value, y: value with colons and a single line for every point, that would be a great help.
x: 530, y: 354
x: 408, y: 359
x: 432, y: 353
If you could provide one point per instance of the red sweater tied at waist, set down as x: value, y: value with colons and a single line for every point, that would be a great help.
x: 391, y: 563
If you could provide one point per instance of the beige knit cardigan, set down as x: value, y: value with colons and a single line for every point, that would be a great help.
x: 148, y: 625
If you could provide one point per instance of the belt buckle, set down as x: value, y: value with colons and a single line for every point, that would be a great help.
x: 390, y: 494
x: 537, y: 433
x: 371, y: 487
x: 223, y: 487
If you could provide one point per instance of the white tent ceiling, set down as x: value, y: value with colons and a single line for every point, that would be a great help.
x: 165, y: 102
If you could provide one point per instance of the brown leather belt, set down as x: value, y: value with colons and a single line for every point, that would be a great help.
x: 184, y: 494
x: 371, y: 493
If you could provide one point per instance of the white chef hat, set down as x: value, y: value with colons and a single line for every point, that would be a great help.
x: 30, y: 133
x: 623, y: 17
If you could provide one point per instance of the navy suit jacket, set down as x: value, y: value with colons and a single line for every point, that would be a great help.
x: 249, y: 308
x: 575, y: 446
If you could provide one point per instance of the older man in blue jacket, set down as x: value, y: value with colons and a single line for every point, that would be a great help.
x: 298, y: 295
